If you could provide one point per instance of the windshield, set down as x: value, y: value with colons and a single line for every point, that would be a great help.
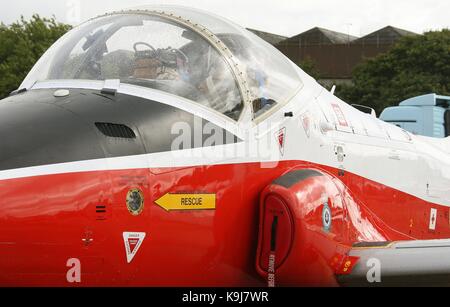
x: 271, y: 77
x: 147, y: 51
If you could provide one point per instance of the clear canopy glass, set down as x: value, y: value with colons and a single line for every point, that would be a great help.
x: 272, y: 78
x: 144, y: 48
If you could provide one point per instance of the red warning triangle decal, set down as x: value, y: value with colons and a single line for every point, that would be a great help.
x: 133, y: 241
x: 281, y: 137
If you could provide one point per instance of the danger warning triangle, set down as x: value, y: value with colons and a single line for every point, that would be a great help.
x: 281, y: 136
x: 133, y: 241
x: 281, y: 139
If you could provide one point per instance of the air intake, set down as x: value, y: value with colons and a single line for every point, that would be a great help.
x: 116, y: 130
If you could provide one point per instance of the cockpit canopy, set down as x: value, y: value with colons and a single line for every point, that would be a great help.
x: 182, y: 51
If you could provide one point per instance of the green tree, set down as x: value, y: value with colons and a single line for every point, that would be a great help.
x: 415, y: 66
x: 309, y: 66
x: 21, y: 45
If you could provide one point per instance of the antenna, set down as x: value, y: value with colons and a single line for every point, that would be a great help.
x: 349, y: 26
x: 333, y: 89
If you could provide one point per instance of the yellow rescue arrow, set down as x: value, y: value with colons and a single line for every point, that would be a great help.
x: 171, y: 202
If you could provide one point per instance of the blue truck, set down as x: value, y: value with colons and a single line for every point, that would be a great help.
x: 427, y: 115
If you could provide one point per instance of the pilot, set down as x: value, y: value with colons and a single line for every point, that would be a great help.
x: 202, y: 77
x: 252, y: 64
x: 217, y: 84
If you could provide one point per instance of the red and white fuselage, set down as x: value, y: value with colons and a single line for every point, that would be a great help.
x: 132, y: 210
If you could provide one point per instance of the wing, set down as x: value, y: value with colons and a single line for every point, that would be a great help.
x: 406, y: 263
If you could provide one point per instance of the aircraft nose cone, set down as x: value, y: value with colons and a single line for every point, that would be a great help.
x: 36, y: 131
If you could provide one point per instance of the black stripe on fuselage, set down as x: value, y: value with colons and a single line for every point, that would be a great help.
x: 292, y: 178
x: 37, y: 128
